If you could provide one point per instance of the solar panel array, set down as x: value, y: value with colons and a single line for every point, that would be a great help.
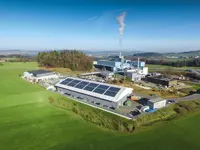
x: 92, y: 87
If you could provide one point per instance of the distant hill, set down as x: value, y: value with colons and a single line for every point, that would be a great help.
x: 148, y: 54
x: 184, y: 54
x: 108, y: 53
x: 155, y: 54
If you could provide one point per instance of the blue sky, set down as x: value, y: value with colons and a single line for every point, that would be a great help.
x: 88, y: 25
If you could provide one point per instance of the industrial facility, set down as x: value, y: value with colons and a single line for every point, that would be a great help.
x: 102, y: 94
x: 162, y: 81
x: 133, y: 69
x: 37, y: 75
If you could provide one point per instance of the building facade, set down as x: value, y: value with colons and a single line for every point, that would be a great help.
x: 163, y: 81
x: 156, y: 103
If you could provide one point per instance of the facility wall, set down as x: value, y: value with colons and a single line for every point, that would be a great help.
x: 162, y: 82
x: 135, y: 64
x: 105, y: 67
x: 157, y: 105
x: 89, y: 98
x: 106, y: 63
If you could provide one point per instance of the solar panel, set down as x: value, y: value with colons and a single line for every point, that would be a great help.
x: 66, y: 81
x: 76, y: 81
x: 114, y: 89
x: 91, y: 86
x: 81, y: 85
x: 99, y: 90
x: 110, y: 93
x: 103, y: 87
x: 73, y: 83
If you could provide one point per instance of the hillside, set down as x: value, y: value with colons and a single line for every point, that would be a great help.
x: 148, y: 54
x: 28, y: 121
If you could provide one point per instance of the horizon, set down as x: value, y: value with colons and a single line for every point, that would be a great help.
x: 57, y: 24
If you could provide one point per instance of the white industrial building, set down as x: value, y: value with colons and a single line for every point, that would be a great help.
x: 137, y: 74
x: 37, y: 75
x: 103, y: 94
x: 156, y: 103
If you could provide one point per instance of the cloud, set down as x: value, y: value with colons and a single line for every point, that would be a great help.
x: 93, y: 18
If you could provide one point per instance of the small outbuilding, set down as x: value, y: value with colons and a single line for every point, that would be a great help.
x: 156, y: 103
x: 39, y: 75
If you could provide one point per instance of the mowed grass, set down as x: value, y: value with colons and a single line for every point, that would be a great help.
x: 28, y: 122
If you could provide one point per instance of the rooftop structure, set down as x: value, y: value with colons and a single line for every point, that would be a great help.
x: 156, y: 99
x: 40, y: 72
x: 105, y: 94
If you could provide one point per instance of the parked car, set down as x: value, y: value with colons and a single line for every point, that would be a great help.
x: 130, y: 115
x: 171, y: 101
x: 112, y: 108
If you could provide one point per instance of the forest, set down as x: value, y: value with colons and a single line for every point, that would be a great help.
x: 72, y: 59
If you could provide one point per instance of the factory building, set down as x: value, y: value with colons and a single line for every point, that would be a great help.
x: 135, y: 76
x: 36, y: 75
x: 156, y: 103
x: 118, y: 63
x: 162, y: 81
x: 103, y: 94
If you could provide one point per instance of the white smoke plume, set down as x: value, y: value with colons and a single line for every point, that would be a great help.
x: 120, y: 21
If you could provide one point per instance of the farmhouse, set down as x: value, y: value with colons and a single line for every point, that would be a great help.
x: 103, y: 94
x: 39, y: 75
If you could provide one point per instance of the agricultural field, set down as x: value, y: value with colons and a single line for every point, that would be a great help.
x: 29, y: 122
x: 154, y: 68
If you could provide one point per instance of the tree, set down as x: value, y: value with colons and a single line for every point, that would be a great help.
x: 71, y: 59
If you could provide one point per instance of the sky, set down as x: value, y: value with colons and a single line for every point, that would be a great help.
x: 156, y: 25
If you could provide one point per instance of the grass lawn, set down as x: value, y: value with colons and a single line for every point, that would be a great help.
x: 28, y: 122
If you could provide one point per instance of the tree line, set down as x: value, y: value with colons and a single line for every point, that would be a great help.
x: 72, y: 59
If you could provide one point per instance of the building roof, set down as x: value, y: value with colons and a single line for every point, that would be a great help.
x: 100, y: 90
x: 156, y: 99
x: 39, y: 71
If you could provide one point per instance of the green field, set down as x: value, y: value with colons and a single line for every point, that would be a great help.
x: 29, y: 122
x: 153, y: 68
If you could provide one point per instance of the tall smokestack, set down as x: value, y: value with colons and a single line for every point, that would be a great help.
x: 120, y: 21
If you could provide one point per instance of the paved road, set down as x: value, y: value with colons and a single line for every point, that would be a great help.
x: 187, y: 98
